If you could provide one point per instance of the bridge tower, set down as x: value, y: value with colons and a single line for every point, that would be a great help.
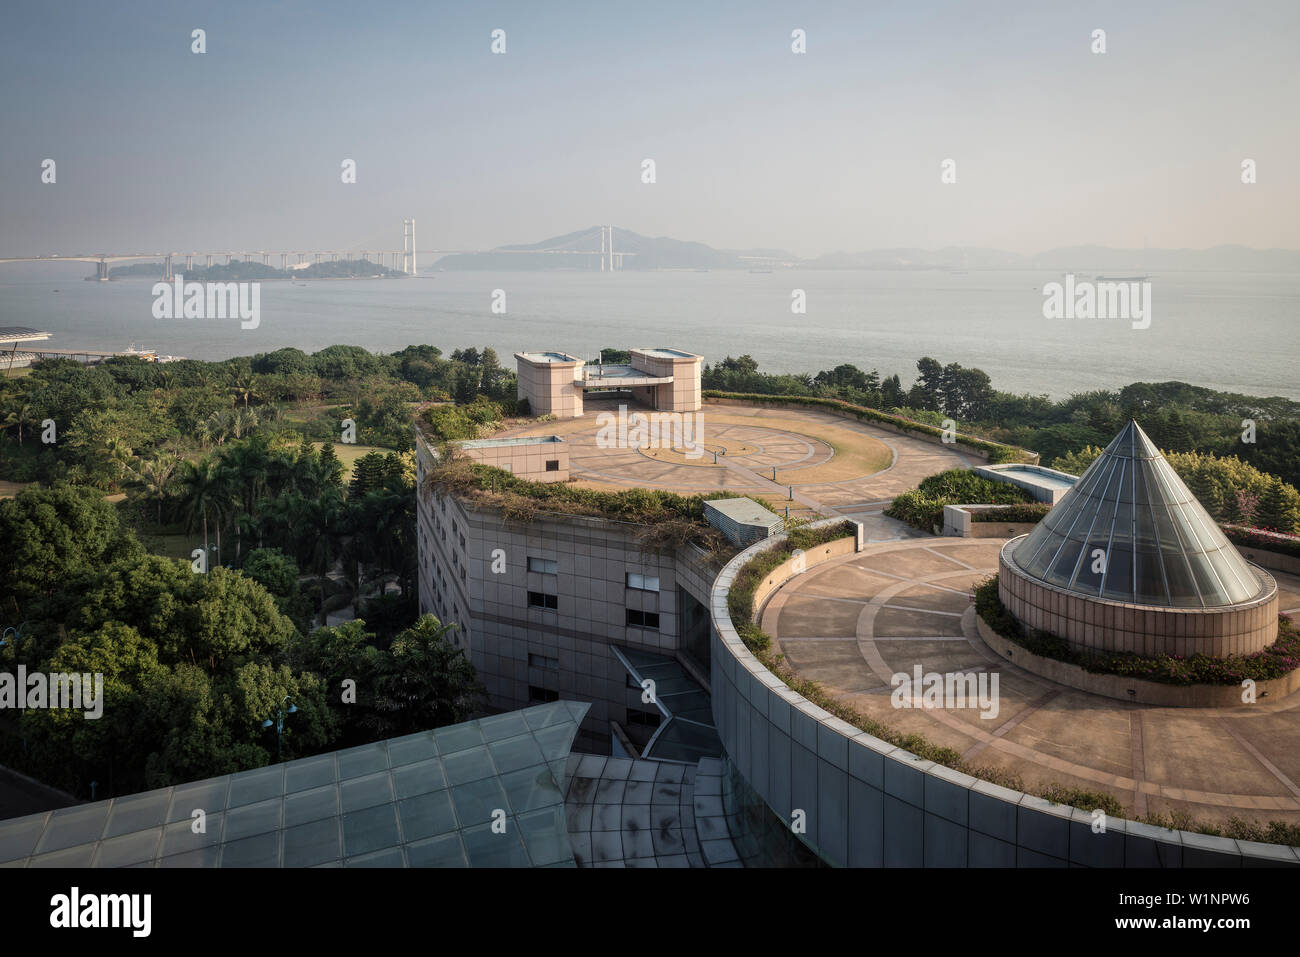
x: 408, y: 247
x: 168, y: 276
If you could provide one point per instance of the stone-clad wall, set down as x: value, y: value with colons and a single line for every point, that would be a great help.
x: 1098, y: 624
x: 869, y: 804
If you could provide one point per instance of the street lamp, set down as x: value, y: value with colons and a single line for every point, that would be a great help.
x: 280, y: 712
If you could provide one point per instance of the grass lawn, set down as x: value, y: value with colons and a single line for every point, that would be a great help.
x: 348, y: 454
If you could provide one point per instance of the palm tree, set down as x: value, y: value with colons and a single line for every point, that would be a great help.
x: 242, y: 386
x: 155, y: 476
x: 201, y: 496
x: 19, y: 416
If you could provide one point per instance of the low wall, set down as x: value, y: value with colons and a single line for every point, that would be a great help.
x: 958, y: 522
x: 1119, y: 686
x: 1274, y: 561
x: 1099, y: 624
x: 887, y: 426
x: 866, y: 803
x: 800, y: 564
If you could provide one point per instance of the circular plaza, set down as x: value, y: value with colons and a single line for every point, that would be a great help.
x: 854, y: 623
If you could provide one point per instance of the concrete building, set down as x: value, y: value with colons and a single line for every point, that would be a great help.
x: 543, y: 458
x: 546, y: 608
x: 554, y: 383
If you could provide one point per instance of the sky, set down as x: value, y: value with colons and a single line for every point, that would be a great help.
x: 839, y: 148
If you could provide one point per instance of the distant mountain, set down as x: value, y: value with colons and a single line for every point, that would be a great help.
x: 1128, y: 261
x: 581, y: 250
x: 951, y: 257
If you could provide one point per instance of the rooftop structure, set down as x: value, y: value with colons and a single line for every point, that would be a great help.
x: 424, y: 800
x: 662, y: 379
x: 742, y: 520
x: 1161, y: 546
x: 1129, y: 561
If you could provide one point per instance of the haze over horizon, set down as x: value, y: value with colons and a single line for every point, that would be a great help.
x: 838, y: 149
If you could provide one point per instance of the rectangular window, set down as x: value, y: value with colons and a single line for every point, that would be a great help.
x: 462, y: 541
x: 543, y: 661
x: 646, y: 719
x: 542, y: 694
x: 643, y: 619
x: 642, y: 582
x: 543, y: 566
x: 552, y: 465
x: 537, y: 599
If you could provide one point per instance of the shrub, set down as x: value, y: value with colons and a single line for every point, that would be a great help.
x: 1278, y: 659
x: 1025, y: 512
x: 922, y: 507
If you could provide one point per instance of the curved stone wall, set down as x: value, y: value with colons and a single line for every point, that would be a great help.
x: 866, y: 803
x: 1099, y: 624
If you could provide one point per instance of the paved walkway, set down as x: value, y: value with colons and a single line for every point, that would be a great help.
x: 854, y: 622
x: 792, y: 441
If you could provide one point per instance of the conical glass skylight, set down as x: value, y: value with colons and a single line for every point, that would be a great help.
x: 1131, y: 531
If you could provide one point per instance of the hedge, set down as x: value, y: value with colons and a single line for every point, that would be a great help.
x: 996, y: 452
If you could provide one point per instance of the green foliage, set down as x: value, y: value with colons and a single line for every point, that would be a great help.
x: 1275, y: 661
x: 1028, y: 512
x: 48, y: 536
x: 420, y: 682
x: 922, y: 507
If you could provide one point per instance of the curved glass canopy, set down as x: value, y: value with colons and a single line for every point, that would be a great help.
x: 1131, y: 531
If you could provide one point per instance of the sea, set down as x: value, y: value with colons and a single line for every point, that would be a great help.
x: 1236, y: 332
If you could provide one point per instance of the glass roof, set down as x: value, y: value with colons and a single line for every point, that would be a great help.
x: 688, y: 732
x: 1131, y: 531
x: 424, y: 800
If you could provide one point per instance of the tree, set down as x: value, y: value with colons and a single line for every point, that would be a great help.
x: 202, y: 494
x: 426, y: 683
x: 155, y: 477
x: 50, y: 536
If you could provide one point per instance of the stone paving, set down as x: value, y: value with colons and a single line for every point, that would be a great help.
x: 853, y: 622
x: 789, y: 440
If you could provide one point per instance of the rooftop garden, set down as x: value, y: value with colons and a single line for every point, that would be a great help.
x: 743, y: 614
x: 996, y: 452
x: 922, y: 507
x: 1278, y: 659
x: 670, y: 520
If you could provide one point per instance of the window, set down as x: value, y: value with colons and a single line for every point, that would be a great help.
x: 543, y: 661
x: 462, y: 540
x: 542, y: 694
x: 543, y: 566
x: 642, y: 582
x: 462, y: 574
x: 537, y: 599
x: 646, y: 719
x: 643, y: 619
x: 552, y: 465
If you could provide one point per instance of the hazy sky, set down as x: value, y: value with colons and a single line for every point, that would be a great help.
x: 839, y: 148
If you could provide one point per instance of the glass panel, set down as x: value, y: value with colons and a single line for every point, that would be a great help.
x: 74, y: 825
x: 310, y: 844
x: 252, y: 819
x: 419, y: 778
x: 18, y: 838
x: 309, y: 773
x: 362, y: 793
x: 260, y: 851
x: 1119, y: 574
x: 546, y: 836
x: 180, y: 838
x: 307, y: 806
x: 476, y: 801
x: 458, y: 737
x: 369, y: 830
x: 531, y: 788
x: 358, y: 762
x: 129, y: 849
x: 520, y: 752
x: 503, y: 726
x: 412, y: 748
x: 250, y: 787
x: 427, y: 815
x: 487, y: 849
x: 469, y: 765
x: 390, y: 857
x: 438, y: 852
x: 138, y: 811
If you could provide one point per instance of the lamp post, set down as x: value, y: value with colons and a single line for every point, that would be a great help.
x: 280, y: 712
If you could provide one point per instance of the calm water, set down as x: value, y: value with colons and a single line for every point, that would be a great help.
x: 1228, y: 331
